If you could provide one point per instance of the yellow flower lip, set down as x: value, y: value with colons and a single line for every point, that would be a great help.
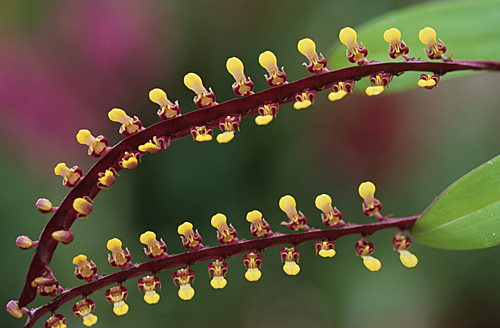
x: 268, y: 60
x: 156, y: 95
x: 348, y: 36
x: 183, y: 228
x: 218, y: 220
x: 254, y: 215
x: 147, y: 237
x: 113, y: 243
x: 366, y: 189
x: 79, y: 258
x: 322, y: 201
x: 392, y: 36
x: 234, y: 65
x: 118, y: 115
x: 287, y: 203
x: 427, y: 36
x: 306, y: 47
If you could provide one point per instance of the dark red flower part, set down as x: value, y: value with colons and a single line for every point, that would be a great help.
x: 230, y: 124
x: 183, y: 276
x: 252, y: 260
x: 207, y: 99
x: 243, y: 88
x: 397, y: 50
x: 324, y: 245
x: 169, y: 111
x: 401, y: 243
x: 130, y: 159
x: 429, y: 81
x: 357, y: 53
x: 202, y: 133
x: 56, y: 321
x: 217, y: 268
x: 317, y: 66
x: 276, y: 78
x: 116, y: 294
x: 364, y: 248
x: 289, y: 254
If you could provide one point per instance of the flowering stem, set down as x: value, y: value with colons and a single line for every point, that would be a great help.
x: 210, y: 253
x: 179, y: 127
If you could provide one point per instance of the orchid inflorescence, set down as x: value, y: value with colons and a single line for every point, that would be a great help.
x: 199, y: 124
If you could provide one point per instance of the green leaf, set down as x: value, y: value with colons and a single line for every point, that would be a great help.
x: 466, y: 215
x: 469, y: 28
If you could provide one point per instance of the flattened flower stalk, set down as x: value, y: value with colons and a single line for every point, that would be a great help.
x: 168, y: 109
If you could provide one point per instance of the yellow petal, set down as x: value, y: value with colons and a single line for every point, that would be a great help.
x: 253, y: 274
x: 371, y: 263
x: 291, y: 268
x: 254, y: 215
x: 327, y: 253
x: 186, y: 292
x: 152, y: 298
x: 408, y: 259
x: 263, y: 120
x: 218, y: 282
x: 332, y: 96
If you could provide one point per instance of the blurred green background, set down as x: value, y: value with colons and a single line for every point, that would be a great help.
x: 65, y: 64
